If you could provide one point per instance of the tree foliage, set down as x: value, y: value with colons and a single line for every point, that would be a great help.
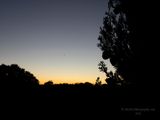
x: 117, y: 38
x: 14, y: 76
x: 112, y: 79
x: 49, y: 83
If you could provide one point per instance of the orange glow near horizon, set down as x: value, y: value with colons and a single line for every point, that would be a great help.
x: 67, y: 72
x: 69, y: 79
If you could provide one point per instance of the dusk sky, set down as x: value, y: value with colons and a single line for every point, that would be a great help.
x: 53, y: 39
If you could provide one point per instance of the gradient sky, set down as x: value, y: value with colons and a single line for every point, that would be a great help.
x: 53, y: 39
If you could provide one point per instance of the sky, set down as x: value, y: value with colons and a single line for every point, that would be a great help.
x: 53, y: 39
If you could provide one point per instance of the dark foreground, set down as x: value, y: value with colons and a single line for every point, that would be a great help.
x: 81, y: 101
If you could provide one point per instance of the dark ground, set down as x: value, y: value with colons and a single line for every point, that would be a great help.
x: 83, y: 101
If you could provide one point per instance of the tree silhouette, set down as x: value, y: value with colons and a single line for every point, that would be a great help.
x: 98, y: 82
x: 12, y: 76
x: 118, y: 39
x: 49, y: 83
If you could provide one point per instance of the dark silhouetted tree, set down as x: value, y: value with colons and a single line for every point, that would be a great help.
x: 118, y: 39
x: 49, y: 83
x: 12, y: 76
x: 98, y: 82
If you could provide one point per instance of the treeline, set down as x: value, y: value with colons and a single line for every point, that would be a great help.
x: 15, y: 80
x: 20, y: 89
